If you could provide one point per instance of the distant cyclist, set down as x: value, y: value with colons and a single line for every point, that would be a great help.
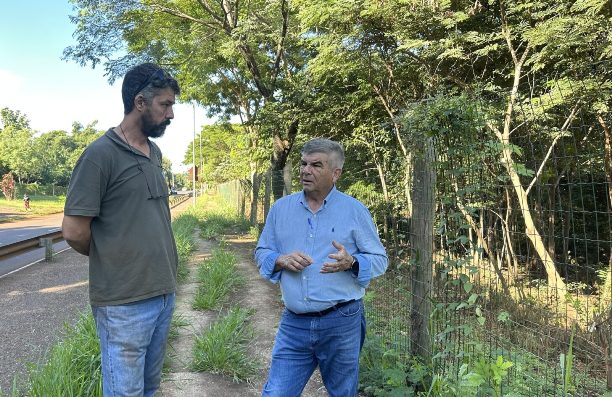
x: 26, y: 202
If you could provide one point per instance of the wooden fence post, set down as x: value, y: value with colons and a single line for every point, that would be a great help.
x: 421, y: 238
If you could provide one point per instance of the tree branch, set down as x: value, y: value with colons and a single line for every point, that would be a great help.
x: 281, y: 43
x: 550, y: 149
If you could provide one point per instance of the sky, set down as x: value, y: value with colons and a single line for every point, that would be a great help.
x: 53, y: 93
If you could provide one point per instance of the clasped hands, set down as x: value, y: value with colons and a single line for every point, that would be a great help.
x: 298, y: 261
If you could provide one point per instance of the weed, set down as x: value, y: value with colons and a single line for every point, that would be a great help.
x: 217, y: 277
x: 223, y: 348
x: 72, y: 367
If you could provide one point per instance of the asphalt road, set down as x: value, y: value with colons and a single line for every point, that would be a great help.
x: 35, y: 303
x: 16, y: 231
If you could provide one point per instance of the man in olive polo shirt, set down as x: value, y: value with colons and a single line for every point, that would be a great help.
x: 117, y: 213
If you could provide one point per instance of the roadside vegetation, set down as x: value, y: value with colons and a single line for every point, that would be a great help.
x: 39, y: 205
x: 223, y: 348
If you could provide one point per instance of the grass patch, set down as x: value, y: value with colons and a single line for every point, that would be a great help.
x: 39, y: 205
x: 217, y: 277
x: 223, y: 349
x: 72, y: 367
x: 182, y: 227
x: 216, y: 224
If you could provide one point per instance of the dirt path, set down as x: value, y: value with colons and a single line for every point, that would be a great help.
x: 256, y: 294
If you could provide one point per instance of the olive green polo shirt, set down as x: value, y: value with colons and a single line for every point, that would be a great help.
x: 132, y: 254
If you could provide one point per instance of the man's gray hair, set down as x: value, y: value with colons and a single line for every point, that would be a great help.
x: 333, y: 149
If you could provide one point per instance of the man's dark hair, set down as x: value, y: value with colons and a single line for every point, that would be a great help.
x: 148, y: 79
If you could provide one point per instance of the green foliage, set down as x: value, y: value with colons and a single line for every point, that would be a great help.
x: 223, y: 348
x: 183, y: 228
x: 384, y: 372
x: 48, y: 158
x: 483, y: 378
x: 217, y: 278
x: 566, y: 362
x: 223, y: 151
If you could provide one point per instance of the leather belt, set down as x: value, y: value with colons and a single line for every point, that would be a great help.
x: 326, y: 311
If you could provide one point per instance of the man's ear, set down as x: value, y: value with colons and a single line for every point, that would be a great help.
x: 336, y: 174
x: 139, y: 102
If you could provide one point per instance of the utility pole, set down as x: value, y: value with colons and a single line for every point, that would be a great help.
x: 201, y: 165
x: 193, y: 157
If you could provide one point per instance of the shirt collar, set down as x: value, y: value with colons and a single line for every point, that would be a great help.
x: 326, y: 200
x: 113, y: 136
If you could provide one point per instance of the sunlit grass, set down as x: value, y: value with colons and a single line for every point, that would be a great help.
x: 39, y: 205
x: 72, y: 367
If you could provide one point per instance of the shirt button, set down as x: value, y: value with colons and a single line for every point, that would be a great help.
x: 310, y: 235
x: 304, y: 278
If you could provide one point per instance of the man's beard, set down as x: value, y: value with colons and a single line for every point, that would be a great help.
x: 153, y: 130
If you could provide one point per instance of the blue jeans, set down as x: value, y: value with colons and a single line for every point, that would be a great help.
x: 133, y: 345
x: 333, y: 342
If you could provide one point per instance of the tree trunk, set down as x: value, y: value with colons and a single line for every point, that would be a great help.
x: 608, y: 168
x: 281, y: 150
x: 423, y: 195
x: 255, y: 186
x: 287, y: 177
x: 267, y: 191
x: 554, y: 279
x: 390, y: 233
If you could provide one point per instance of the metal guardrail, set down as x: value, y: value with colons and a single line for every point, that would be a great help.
x: 22, y: 245
x: 177, y: 199
x: 56, y: 235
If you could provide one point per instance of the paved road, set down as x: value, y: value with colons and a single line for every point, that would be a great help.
x: 26, y: 229
x: 11, y: 232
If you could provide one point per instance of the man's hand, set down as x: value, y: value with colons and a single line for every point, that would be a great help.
x: 344, y: 260
x: 295, y: 262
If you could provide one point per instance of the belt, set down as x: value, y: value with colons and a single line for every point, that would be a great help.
x: 326, y: 311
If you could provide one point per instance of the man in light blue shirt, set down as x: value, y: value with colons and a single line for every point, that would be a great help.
x: 322, y: 246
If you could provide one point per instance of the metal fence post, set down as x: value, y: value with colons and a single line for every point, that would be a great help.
x: 47, y: 243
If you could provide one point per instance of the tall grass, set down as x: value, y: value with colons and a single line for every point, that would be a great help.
x: 217, y: 277
x: 183, y: 227
x: 223, y: 348
x: 72, y: 367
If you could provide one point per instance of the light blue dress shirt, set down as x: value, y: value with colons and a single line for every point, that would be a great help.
x: 292, y: 226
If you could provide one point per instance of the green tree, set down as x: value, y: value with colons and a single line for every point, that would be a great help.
x: 238, y: 58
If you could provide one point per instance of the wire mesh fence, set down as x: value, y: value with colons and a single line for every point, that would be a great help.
x: 519, y: 286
